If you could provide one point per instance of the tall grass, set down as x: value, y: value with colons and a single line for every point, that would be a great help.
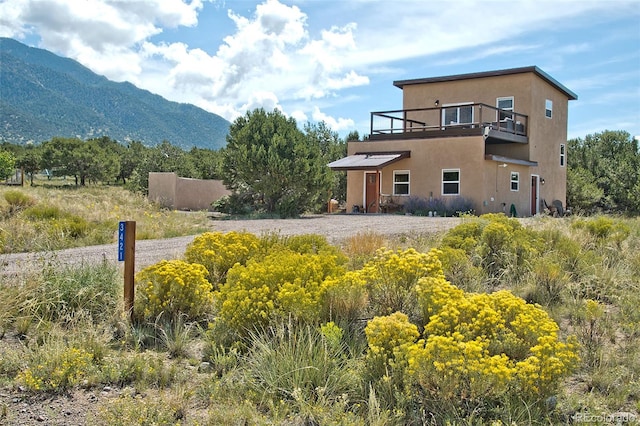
x: 50, y: 218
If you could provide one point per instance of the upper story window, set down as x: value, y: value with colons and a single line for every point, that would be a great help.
x: 562, y: 155
x: 506, y: 104
x: 400, y: 182
x: 457, y: 114
x: 515, y: 181
x: 548, y: 108
x: 451, y: 182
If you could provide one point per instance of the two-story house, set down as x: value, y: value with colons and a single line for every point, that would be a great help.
x: 496, y: 138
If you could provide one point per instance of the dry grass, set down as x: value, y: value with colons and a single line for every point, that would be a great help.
x: 63, y: 217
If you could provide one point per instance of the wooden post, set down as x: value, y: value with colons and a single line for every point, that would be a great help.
x: 129, y: 266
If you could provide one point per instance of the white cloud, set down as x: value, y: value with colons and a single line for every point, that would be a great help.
x: 335, y: 124
x: 264, y: 99
x: 299, y: 116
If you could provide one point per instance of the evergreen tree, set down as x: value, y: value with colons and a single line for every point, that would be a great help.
x: 604, y: 171
x: 331, y: 148
x: 269, y: 162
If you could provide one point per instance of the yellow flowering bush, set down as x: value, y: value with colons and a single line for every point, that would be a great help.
x: 496, y: 243
x: 284, y: 284
x: 218, y: 252
x: 459, y: 268
x: 313, y: 244
x: 345, y: 297
x: 58, y: 371
x: 389, y: 337
x: 464, y: 236
x: 173, y: 288
x: 454, y: 368
x: 391, y: 278
x: 474, y: 345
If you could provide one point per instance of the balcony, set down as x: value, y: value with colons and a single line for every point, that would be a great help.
x: 494, y: 124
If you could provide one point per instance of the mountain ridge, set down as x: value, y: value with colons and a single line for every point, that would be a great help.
x: 43, y: 95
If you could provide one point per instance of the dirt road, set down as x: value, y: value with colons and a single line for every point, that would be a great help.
x: 335, y: 227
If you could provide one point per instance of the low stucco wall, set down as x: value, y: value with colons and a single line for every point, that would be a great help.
x: 171, y: 191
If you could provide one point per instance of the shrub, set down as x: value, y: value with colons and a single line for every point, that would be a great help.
x: 56, y: 370
x: 458, y: 206
x: 141, y: 370
x: 548, y: 281
x: 419, y: 206
x: 18, y: 200
x: 459, y: 269
x: 387, y: 337
x: 500, y: 245
x: 283, y: 284
x: 313, y: 244
x: 604, y: 229
x: 218, y: 252
x: 455, y: 206
x: 392, y: 276
x: 464, y: 236
x: 70, y: 226
x: 476, y: 349
x: 61, y: 224
x: 345, y: 297
x: 173, y: 288
x: 42, y: 212
x: 234, y: 204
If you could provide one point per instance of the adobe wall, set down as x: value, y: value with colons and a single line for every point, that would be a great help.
x: 171, y: 191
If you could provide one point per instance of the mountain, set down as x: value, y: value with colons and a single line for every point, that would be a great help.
x: 43, y: 95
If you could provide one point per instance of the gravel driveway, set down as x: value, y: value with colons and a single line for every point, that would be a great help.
x: 334, y: 227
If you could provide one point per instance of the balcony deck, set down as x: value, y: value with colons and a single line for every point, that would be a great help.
x: 495, y: 125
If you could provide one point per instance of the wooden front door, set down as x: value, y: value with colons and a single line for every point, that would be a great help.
x: 534, y: 195
x: 372, y: 192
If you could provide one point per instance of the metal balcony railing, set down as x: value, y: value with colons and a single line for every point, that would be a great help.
x: 451, y: 117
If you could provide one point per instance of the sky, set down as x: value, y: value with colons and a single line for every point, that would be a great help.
x: 336, y: 60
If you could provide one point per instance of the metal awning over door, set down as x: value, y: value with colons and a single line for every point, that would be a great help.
x: 368, y: 160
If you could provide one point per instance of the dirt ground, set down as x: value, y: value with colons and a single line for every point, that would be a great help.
x: 78, y: 407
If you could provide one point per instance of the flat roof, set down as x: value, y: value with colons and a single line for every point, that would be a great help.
x: 533, y: 69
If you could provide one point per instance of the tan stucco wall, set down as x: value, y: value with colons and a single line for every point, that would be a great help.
x: 162, y: 188
x: 171, y: 191
x: 482, y: 181
x: 545, y: 135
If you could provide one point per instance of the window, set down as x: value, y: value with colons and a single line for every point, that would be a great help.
x: 515, y: 181
x: 505, y: 103
x: 400, y: 182
x: 457, y: 114
x: 451, y: 182
x: 548, y: 108
x: 562, y: 155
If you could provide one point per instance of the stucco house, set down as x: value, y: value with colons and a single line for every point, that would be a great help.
x: 496, y: 139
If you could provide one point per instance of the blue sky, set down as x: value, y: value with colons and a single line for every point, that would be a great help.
x: 336, y: 60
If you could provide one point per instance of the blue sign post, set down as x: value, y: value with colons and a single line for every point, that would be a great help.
x: 121, y: 229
